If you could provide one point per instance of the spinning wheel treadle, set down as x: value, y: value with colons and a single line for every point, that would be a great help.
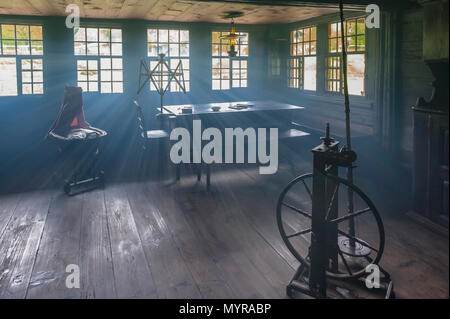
x: 355, y: 249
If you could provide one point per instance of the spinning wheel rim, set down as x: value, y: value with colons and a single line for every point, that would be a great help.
x: 360, y: 193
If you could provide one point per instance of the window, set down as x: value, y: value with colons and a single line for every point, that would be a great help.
x: 23, y: 43
x: 103, y: 50
x: 174, y: 44
x: 274, y: 66
x: 87, y: 75
x: 302, y: 64
x: 229, y: 72
x: 32, y: 76
x: 355, y: 41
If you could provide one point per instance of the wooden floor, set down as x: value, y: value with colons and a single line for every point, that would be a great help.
x: 147, y: 240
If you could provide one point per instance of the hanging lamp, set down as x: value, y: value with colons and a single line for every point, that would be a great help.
x: 232, y: 36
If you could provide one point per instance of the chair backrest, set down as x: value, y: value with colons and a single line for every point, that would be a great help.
x: 71, y: 113
x: 141, y: 120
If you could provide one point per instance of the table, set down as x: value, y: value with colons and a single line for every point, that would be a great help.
x: 256, y: 114
x: 227, y: 107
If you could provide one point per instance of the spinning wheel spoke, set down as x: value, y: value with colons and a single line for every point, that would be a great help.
x: 357, y: 213
x: 300, y: 233
x: 332, y: 201
x: 344, y: 261
x: 298, y: 210
x: 307, y: 188
x: 357, y: 240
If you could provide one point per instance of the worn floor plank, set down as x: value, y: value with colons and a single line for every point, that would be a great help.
x: 132, y: 274
x: 97, y: 273
x: 59, y: 247
x: 173, y: 279
x: 8, y: 204
x: 20, y: 241
x: 192, y: 246
x: 208, y: 216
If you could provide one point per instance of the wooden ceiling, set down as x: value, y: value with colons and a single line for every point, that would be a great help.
x: 167, y: 10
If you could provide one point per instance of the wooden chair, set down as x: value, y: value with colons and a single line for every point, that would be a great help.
x: 150, y: 138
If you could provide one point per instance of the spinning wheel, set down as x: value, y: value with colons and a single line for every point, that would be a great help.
x: 328, y: 223
x: 353, y: 251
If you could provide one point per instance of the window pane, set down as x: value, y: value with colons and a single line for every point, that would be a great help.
x: 116, y: 35
x: 38, y: 88
x: 105, y: 35
x: 36, y: 32
x: 216, y: 84
x: 163, y: 36
x: 9, y: 47
x: 82, y: 64
x: 105, y: 87
x: 92, y: 64
x: 105, y: 75
x: 79, y: 48
x: 152, y: 49
x: 82, y: 75
x: 184, y: 50
x: 225, y: 85
x: 117, y: 64
x: 22, y: 32
x: 174, y: 35
x: 117, y: 87
x: 26, y: 76
x: 37, y: 48
x: 92, y: 75
x: 37, y: 64
x: 79, y: 34
x: 356, y: 71
x: 8, y: 77
x: 184, y: 36
x: 117, y: 75
x: 27, y: 88
x: 174, y: 50
x: 309, y: 81
x: 83, y: 86
x: 92, y: 48
x: 92, y: 34
x: 105, y: 49
x: 8, y: 31
x: 26, y: 64
x: 152, y: 35
x: 38, y: 76
x: 93, y: 86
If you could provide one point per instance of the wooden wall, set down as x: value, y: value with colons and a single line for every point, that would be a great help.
x: 415, y: 78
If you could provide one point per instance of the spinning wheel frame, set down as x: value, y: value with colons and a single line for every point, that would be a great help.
x: 360, y: 243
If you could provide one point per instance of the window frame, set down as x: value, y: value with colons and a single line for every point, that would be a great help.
x: 337, y: 54
x: 222, y: 49
x: 20, y: 57
x: 98, y: 57
x: 173, y: 87
x: 299, y: 59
